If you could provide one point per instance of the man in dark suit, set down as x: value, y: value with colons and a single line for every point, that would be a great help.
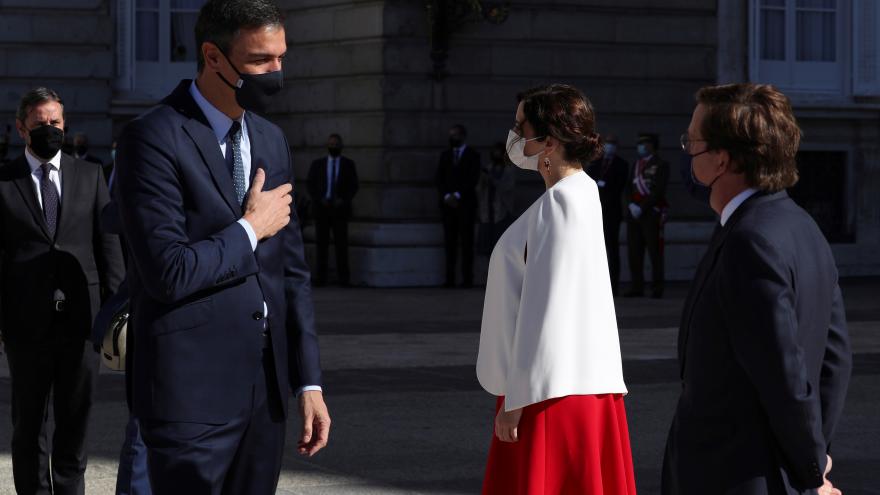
x: 333, y: 182
x: 763, y: 345
x: 56, y: 267
x: 81, y: 149
x: 458, y: 173
x: 220, y: 291
x: 610, y: 173
x: 644, y: 198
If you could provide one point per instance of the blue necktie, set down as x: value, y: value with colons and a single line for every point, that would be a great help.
x: 233, y: 139
x: 50, y: 199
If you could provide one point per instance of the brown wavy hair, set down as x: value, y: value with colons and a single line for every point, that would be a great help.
x: 756, y: 125
x: 562, y: 111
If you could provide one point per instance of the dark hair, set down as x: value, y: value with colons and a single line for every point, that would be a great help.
x: 562, y: 111
x: 34, y: 97
x: 755, y: 124
x: 220, y: 21
x: 337, y: 136
x: 650, y: 137
x: 460, y: 128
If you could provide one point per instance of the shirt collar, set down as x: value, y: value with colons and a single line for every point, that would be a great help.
x: 460, y: 149
x: 35, y: 162
x: 219, y: 121
x: 735, y: 203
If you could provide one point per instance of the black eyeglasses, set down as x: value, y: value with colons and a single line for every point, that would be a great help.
x: 686, y: 142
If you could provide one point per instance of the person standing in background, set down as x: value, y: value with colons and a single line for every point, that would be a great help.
x: 496, y: 195
x: 458, y: 172
x: 645, y: 212
x: 332, y: 184
x: 610, y: 173
x: 56, y: 267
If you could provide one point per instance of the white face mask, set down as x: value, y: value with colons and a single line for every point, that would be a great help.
x: 516, y: 146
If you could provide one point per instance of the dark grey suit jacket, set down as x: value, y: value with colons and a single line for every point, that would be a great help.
x: 80, y: 261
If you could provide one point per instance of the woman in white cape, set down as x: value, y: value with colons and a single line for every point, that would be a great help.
x: 549, y: 347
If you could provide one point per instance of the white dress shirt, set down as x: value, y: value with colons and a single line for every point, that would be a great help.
x: 220, y: 123
x: 549, y: 328
x: 332, y: 175
x: 734, y: 203
x: 37, y: 172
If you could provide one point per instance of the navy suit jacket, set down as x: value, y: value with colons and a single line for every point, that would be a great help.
x: 197, y: 288
x: 764, y: 355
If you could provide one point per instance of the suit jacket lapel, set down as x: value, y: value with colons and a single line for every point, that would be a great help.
x: 25, y: 185
x: 258, y: 144
x: 69, y: 179
x: 708, y: 263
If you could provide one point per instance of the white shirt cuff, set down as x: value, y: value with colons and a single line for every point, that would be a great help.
x: 250, y: 232
x: 308, y: 388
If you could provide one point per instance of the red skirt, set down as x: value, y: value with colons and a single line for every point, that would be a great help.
x: 574, y: 445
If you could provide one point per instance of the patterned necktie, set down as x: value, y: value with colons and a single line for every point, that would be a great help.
x: 50, y: 199
x: 233, y: 139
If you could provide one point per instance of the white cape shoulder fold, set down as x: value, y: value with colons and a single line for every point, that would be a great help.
x: 549, y: 328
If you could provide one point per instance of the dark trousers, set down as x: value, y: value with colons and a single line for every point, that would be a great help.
x: 69, y: 371
x: 458, y: 229
x: 241, y: 456
x: 611, y: 230
x: 332, y: 219
x: 132, y: 477
x: 644, y: 234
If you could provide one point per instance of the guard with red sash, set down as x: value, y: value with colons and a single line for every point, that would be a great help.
x: 645, y: 210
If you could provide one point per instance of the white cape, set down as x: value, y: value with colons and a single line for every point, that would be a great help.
x: 549, y: 327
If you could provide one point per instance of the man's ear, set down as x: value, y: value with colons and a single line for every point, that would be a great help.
x: 212, y: 56
x: 22, y: 130
x: 724, y: 163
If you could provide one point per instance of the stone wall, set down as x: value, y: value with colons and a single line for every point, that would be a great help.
x: 66, y: 45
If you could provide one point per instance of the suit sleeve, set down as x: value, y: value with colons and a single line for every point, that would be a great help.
x: 758, y: 301
x: 151, y: 203
x: 355, y: 182
x: 108, y: 250
x: 304, y: 366
x: 836, y: 367
x: 659, y: 190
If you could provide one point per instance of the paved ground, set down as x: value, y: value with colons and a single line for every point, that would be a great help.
x: 409, y: 416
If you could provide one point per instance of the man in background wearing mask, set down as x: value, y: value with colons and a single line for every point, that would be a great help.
x: 644, y: 198
x: 610, y: 173
x: 458, y: 173
x: 221, y: 302
x: 56, y: 266
x: 81, y: 148
x: 333, y: 183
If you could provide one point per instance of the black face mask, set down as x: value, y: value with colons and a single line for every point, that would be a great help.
x: 697, y: 190
x: 334, y: 151
x: 456, y: 142
x: 81, y: 150
x: 254, y: 92
x: 46, y: 141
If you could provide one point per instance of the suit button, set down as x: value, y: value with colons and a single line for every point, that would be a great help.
x: 258, y: 315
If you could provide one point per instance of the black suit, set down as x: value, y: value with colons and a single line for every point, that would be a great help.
x: 764, y: 355
x: 610, y: 176
x: 459, y: 176
x: 333, y: 213
x: 45, y: 342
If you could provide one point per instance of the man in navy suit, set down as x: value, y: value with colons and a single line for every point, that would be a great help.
x: 220, y: 291
x: 763, y: 344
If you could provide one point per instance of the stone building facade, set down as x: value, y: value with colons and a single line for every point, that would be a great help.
x: 363, y: 68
